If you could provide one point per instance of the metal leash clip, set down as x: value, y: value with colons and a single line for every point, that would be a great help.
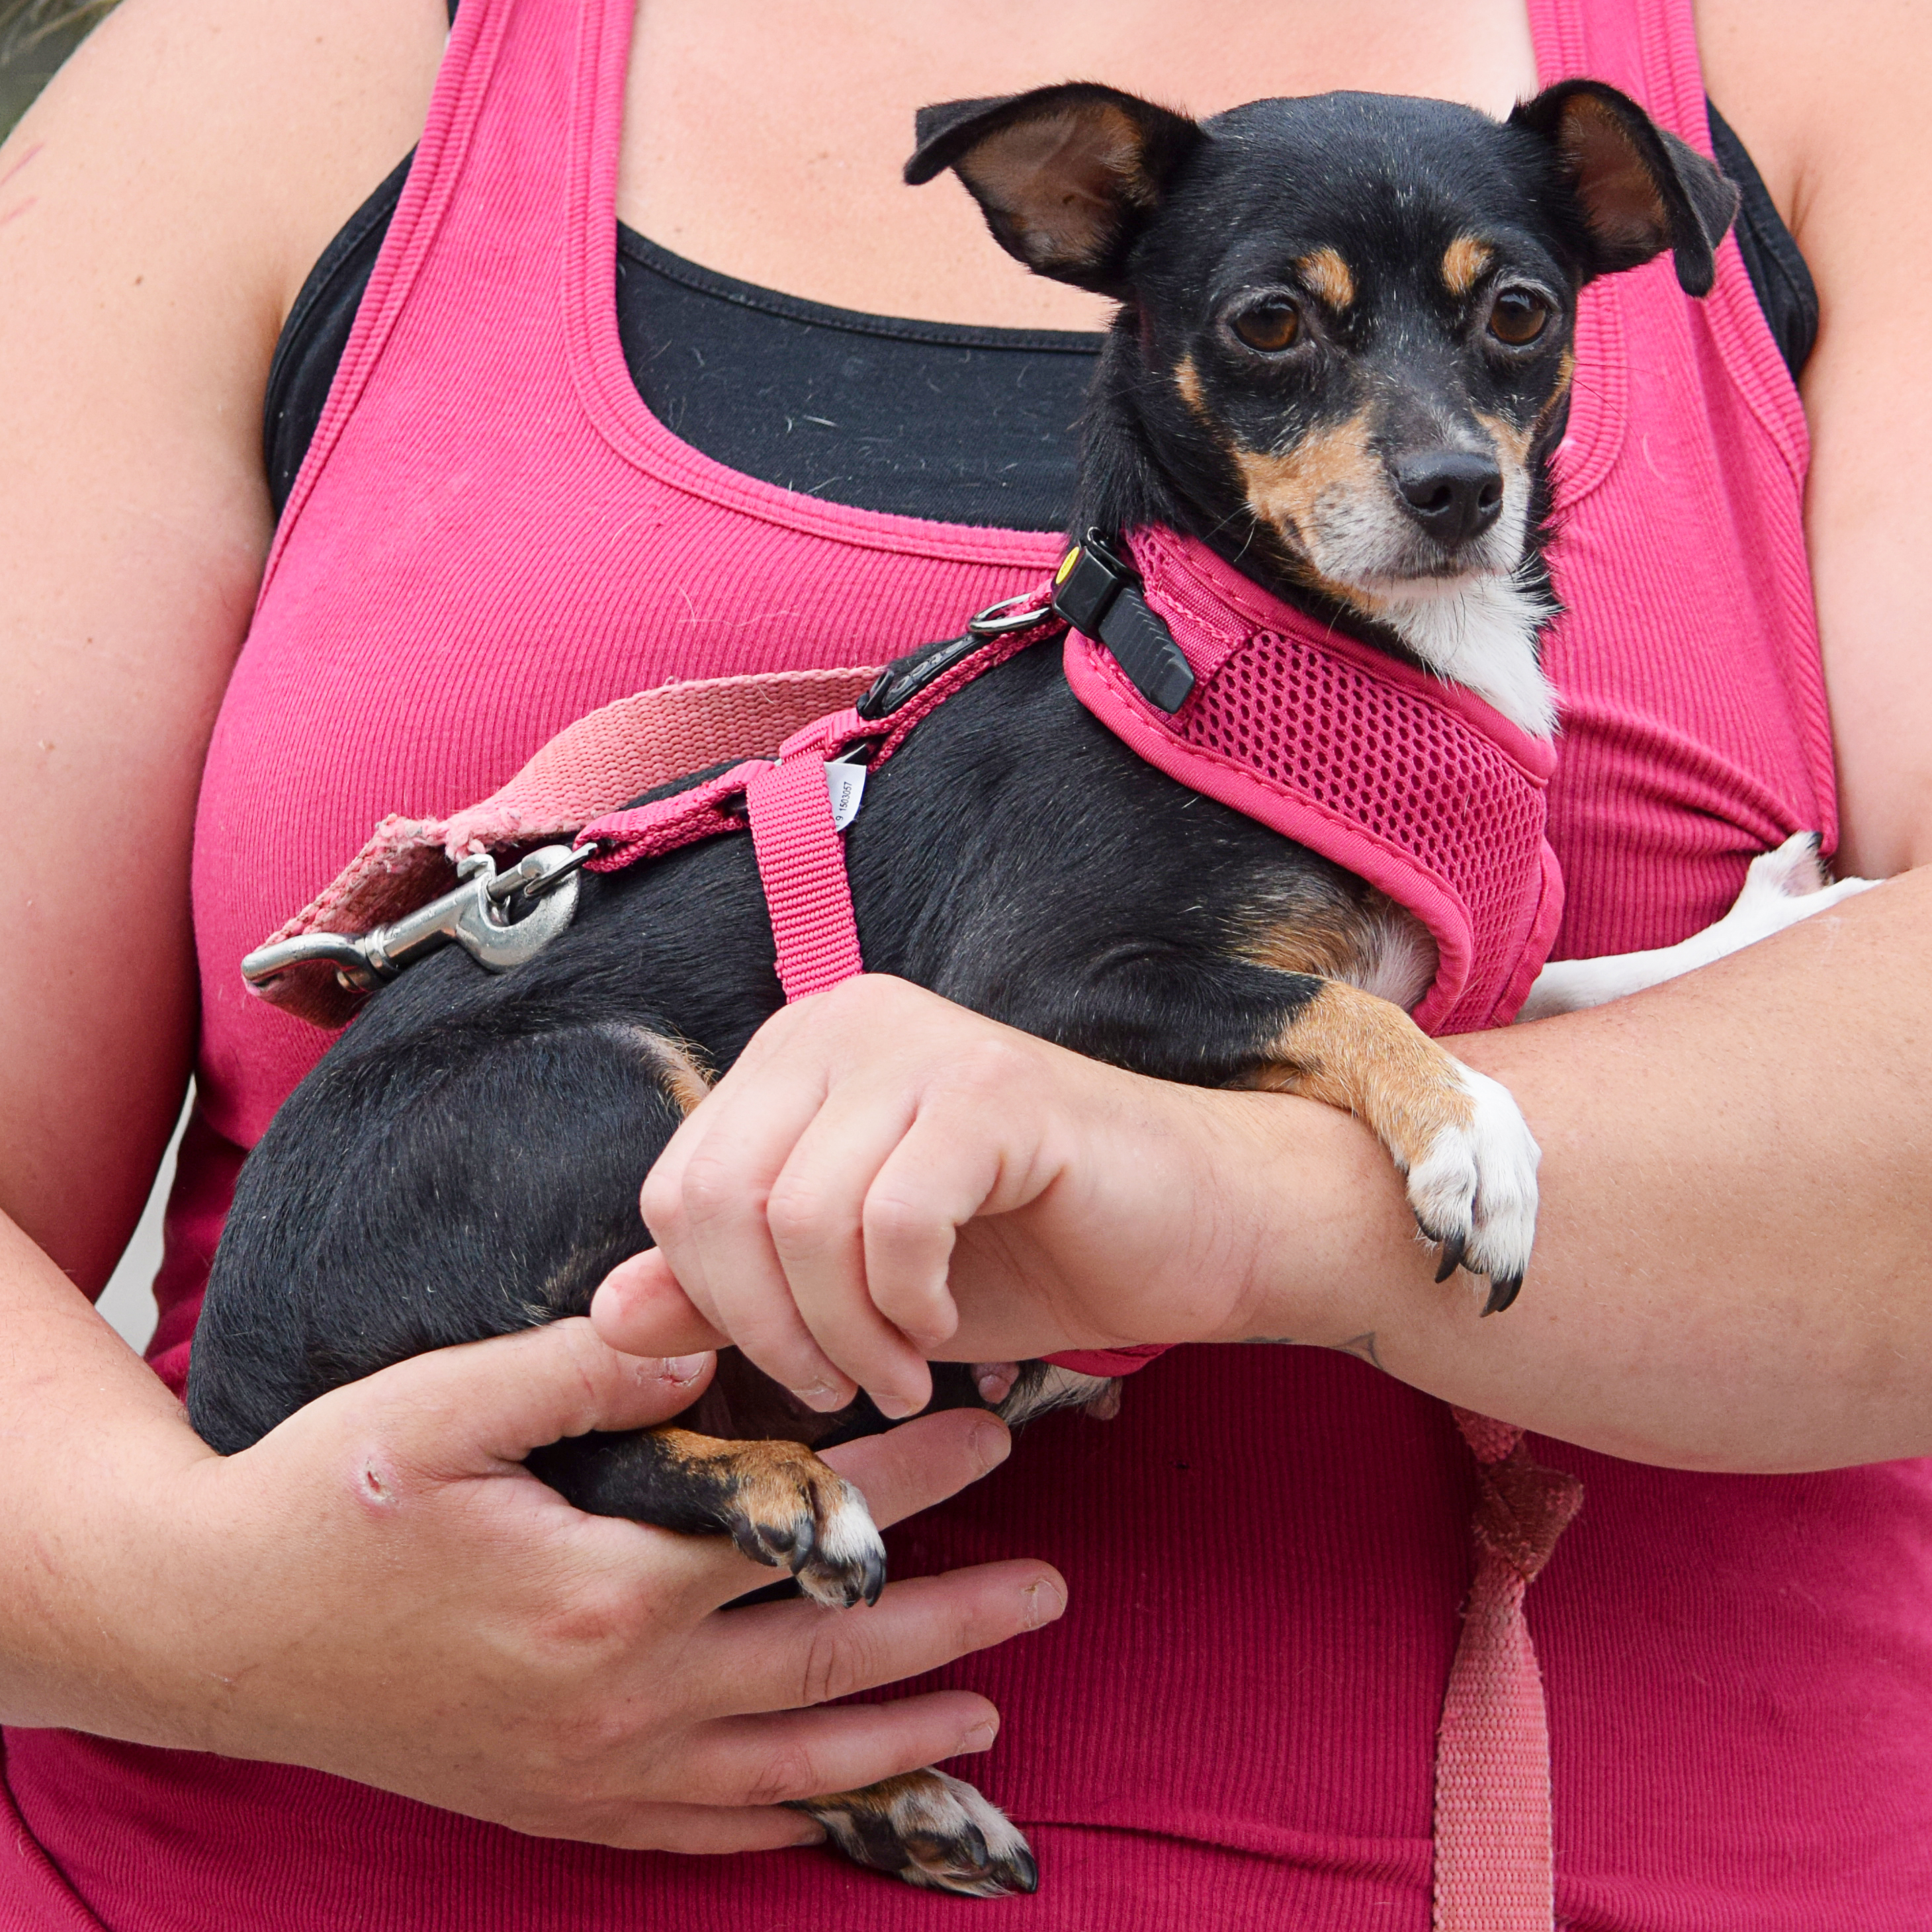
x: 474, y: 916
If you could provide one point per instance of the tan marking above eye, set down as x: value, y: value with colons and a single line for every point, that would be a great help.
x: 1328, y: 276
x: 1463, y: 261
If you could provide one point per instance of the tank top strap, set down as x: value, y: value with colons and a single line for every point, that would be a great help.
x: 488, y: 181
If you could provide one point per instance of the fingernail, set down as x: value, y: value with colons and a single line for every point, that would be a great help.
x: 978, y: 1738
x: 992, y: 1444
x: 895, y: 1407
x: 822, y: 1396
x: 811, y: 1832
x: 1045, y: 1601
x: 684, y: 1368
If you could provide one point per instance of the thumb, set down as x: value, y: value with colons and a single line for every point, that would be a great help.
x: 639, y: 1307
x: 478, y: 1407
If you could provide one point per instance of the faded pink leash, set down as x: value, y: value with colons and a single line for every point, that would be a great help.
x: 1495, y: 1864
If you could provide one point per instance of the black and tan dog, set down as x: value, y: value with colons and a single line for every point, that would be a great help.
x: 1341, y: 359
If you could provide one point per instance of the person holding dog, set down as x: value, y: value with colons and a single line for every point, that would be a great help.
x: 230, y: 1677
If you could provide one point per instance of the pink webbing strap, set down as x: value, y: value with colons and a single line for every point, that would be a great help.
x: 801, y: 855
x: 1494, y: 1868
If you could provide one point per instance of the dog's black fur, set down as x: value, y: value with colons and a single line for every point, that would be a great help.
x: 466, y: 1160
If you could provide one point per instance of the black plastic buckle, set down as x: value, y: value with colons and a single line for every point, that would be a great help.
x: 1100, y: 596
x: 905, y: 677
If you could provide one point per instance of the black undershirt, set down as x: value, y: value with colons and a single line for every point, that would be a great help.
x: 956, y: 424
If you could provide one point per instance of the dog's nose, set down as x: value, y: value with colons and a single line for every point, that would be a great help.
x: 1454, y: 494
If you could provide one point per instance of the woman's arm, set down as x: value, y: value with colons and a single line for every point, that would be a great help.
x: 377, y: 1587
x: 1830, y: 102
x: 1733, y: 1267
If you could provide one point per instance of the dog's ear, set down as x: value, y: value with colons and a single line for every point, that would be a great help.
x: 1640, y: 190
x: 1066, y: 176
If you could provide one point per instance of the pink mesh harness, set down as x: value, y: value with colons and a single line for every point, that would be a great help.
x: 1413, y: 784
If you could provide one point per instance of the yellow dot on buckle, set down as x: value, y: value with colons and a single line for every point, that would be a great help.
x: 1066, y: 564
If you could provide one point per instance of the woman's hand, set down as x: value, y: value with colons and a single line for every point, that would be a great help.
x: 378, y: 1588
x: 876, y: 1148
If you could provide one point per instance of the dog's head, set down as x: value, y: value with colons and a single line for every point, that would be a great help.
x: 1344, y: 350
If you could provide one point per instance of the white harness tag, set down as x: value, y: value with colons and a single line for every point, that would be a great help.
x: 846, y: 782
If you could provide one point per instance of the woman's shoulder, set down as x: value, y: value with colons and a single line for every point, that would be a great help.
x: 160, y: 205
x: 247, y: 130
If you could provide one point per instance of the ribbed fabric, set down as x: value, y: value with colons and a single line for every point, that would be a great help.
x: 1233, y: 1727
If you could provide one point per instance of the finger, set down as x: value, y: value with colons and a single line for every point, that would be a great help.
x: 780, y: 1656
x: 779, y: 1759
x: 907, y: 1469
x: 478, y: 1408
x: 709, y: 1219
x: 940, y: 1174
x: 704, y: 1830
x: 816, y: 1214
x: 923, y: 1462
x: 639, y: 1308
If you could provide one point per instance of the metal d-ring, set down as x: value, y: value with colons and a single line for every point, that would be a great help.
x: 471, y: 916
x: 999, y: 620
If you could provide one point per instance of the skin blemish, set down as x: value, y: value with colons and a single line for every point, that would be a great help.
x: 1326, y: 274
x: 1463, y: 262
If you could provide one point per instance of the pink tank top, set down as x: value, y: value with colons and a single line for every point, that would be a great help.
x: 1229, y: 1730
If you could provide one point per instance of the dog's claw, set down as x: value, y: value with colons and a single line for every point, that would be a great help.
x: 1474, y: 1190
x: 1504, y: 1289
x: 873, y: 1579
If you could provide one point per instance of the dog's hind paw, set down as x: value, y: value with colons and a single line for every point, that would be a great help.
x: 786, y: 1508
x: 930, y: 1830
x: 1474, y: 1190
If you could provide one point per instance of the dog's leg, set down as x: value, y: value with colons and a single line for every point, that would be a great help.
x: 930, y: 1830
x: 776, y: 1501
x: 783, y: 1508
x: 1781, y: 888
x: 1454, y: 1133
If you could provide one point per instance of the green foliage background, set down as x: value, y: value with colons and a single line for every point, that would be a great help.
x: 35, y: 36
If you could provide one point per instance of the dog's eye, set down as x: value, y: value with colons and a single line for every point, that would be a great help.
x: 1518, y: 317
x: 1270, y: 328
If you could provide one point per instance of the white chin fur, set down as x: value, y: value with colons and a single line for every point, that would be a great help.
x: 1481, y: 633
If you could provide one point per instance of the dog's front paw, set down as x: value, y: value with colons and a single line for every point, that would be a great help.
x: 930, y: 1830
x: 786, y: 1508
x: 1474, y: 1190
x: 1782, y: 887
